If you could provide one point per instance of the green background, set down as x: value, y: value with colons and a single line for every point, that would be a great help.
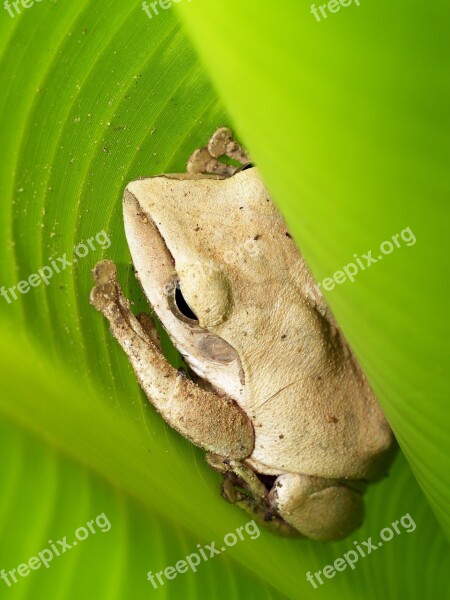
x: 348, y: 121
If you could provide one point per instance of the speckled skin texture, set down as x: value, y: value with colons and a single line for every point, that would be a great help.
x: 276, y: 384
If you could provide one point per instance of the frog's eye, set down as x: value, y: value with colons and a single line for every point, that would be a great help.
x: 182, y: 306
x: 202, y: 294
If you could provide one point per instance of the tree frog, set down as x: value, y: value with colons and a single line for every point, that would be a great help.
x: 276, y: 398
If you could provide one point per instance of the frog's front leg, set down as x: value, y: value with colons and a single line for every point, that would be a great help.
x: 212, y: 422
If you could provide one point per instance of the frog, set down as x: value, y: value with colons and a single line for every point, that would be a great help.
x: 273, y: 392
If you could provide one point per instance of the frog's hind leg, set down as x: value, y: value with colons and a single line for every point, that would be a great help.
x: 207, y: 159
x: 242, y: 487
x: 212, y: 422
x: 321, y: 509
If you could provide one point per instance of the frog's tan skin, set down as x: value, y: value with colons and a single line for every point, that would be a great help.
x: 278, y: 401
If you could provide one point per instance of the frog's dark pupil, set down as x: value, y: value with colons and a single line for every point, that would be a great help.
x: 183, y: 306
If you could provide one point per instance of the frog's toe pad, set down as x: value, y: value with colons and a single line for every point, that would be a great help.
x: 201, y: 161
x: 105, y: 271
x: 106, y: 292
x: 222, y: 143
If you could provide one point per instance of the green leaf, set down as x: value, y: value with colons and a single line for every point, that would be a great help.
x: 69, y: 457
x: 346, y: 118
x: 95, y: 96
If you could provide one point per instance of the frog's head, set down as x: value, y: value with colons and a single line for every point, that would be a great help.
x: 203, y: 248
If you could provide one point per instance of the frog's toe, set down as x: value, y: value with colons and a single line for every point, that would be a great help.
x: 201, y: 162
x: 105, y: 271
x: 106, y: 295
x: 222, y: 143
